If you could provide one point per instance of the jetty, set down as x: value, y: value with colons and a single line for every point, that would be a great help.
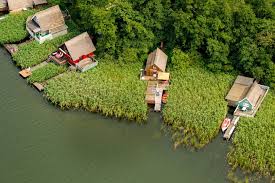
x: 28, y: 72
x: 11, y: 48
x: 229, y: 132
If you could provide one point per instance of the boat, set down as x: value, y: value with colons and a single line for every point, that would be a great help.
x: 225, y: 124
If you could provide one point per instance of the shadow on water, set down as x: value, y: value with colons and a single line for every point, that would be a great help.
x: 42, y: 144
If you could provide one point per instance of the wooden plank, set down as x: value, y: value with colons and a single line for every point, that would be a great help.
x: 38, y: 86
x: 25, y: 73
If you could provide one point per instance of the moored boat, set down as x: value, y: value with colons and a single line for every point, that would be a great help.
x: 225, y: 124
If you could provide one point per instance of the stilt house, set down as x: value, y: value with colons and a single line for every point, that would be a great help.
x: 78, y: 52
x: 47, y: 24
x: 156, y: 62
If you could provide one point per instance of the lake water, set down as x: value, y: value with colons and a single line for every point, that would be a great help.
x: 42, y: 144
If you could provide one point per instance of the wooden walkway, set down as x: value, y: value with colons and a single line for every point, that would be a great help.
x: 11, y: 48
x: 158, y: 97
x: 231, y: 128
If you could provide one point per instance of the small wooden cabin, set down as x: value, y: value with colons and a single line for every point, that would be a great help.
x: 252, y: 98
x: 156, y: 62
x: 239, y: 90
x: 47, y: 24
x: 18, y: 5
x: 4, y: 6
x: 246, y: 95
x: 78, y: 52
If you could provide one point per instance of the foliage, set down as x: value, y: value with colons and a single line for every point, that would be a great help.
x: 33, y: 53
x: 44, y: 73
x: 13, y: 27
x: 196, y: 105
x: 253, y: 142
x: 221, y: 31
x: 112, y: 89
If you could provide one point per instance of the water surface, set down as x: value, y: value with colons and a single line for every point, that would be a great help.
x: 39, y: 143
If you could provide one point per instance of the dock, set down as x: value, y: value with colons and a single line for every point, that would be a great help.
x: 229, y: 132
x: 28, y: 72
x: 38, y: 86
x: 11, y: 48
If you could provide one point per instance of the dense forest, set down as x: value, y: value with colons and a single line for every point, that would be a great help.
x: 229, y: 35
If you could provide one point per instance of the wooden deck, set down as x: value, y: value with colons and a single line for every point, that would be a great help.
x: 28, y: 72
x: 229, y: 132
x: 11, y: 48
x: 38, y: 86
x: 25, y: 73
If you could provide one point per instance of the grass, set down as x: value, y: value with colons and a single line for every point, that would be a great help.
x: 112, y: 89
x: 46, y: 72
x: 33, y: 53
x: 196, y: 105
x: 13, y: 27
x: 253, y: 146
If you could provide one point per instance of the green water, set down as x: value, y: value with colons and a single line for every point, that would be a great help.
x: 41, y: 144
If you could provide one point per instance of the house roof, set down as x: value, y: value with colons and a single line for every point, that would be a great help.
x: 19, y: 4
x: 3, y: 4
x: 239, y: 89
x: 80, y: 45
x: 39, y: 2
x: 49, y: 19
x: 158, y: 58
x: 254, y: 93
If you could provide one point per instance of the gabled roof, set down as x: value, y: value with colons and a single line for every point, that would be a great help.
x: 3, y: 4
x: 19, y: 4
x: 158, y: 58
x: 254, y: 93
x: 49, y: 19
x: 80, y: 45
x: 39, y: 2
x: 239, y: 89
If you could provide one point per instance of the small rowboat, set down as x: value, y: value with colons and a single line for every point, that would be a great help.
x: 225, y: 124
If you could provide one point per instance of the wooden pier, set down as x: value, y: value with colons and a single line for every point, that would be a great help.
x: 11, y: 48
x: 38, y: 86
x: 158, y: 99
x: 229, y: 132
x: 28, y: 72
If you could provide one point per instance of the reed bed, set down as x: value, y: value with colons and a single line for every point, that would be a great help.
x: 13, y: 27
x: 44, y: 73
x: 253, y: 147
x: 110, y: 88
x: 196, y: 105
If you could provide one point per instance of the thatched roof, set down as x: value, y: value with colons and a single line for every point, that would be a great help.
x: 50, y: 18
x: 39, y: 2
x: 19, y: 4
x: 254, y: 93
x: 239, y: 89
x: 157, y: 58
x: 80, y: 45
